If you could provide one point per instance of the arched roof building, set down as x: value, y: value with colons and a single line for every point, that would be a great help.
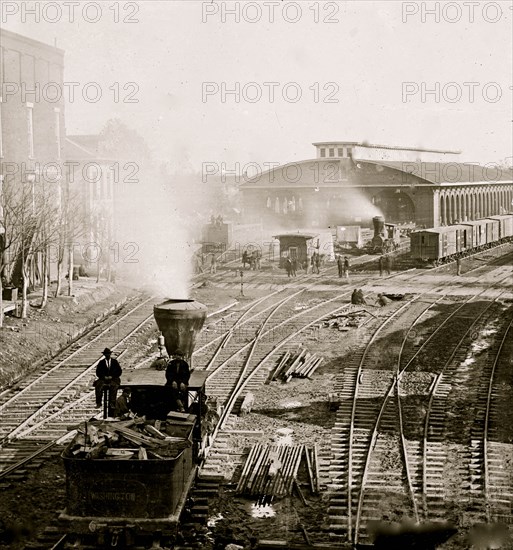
x: 350, y: 182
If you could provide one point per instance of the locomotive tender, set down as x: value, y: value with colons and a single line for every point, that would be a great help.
x: 447, y: 243
x: 127, y: 502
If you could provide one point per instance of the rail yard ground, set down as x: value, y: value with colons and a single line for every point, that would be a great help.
x: 444, y: 332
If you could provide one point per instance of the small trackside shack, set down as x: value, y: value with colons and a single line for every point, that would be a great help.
x: 301, y: 246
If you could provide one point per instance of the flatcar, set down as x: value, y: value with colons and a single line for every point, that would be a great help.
x: 447, y: 243
x: 137, y: 501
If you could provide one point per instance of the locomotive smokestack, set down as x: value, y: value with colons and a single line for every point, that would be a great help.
x: 180, y: 322
x: 379, y: 226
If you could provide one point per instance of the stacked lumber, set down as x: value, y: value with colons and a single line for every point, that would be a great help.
x: 137, y: 439
x: 272, y: 470
x: 300, y: 365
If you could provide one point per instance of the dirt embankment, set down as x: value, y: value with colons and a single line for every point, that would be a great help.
x: 26, y: 343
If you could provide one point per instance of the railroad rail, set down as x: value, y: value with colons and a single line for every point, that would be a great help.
x: 363, y: 435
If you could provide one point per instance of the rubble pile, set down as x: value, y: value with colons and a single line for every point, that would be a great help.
x: 136, y: 439
x: 346, y: 321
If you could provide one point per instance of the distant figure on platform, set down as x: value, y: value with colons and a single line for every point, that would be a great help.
x: 257, y: 259
x: 213, y: 264
x: 294, y: 267
x: 177, y: 379
x: 346, y: 267
x: 381, y: 263
x: 388, y: 264
x: 318, y: 263
x: 288, y: 267
x: 244, y: 259
x: 340, y: 265
x: 123, y: 404
x: 458, y: 266
x: 108, y: 372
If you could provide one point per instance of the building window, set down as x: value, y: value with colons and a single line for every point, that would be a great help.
x: 57, y: 122
x: 340, y: 152
x: 30, y: 129
x: 323, y: 152
x: 332, y: 152
x: 349, y: 151
x: 277, y: 205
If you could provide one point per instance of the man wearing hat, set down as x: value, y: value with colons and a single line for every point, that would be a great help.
x: 177, y: 378
x: 108, y: 372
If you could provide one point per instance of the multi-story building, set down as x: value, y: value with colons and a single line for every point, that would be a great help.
x: 32, y: 126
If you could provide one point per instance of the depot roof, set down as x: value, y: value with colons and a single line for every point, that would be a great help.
x: 315, y: 174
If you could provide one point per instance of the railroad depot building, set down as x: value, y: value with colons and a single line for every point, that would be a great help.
x: 350, y: 182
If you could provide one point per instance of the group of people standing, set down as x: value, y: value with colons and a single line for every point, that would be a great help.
x: 253, y: 259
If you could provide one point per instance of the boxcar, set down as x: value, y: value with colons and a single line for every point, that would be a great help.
x: 505, y: 222
x: 484, y: 231
x: 438, y: 243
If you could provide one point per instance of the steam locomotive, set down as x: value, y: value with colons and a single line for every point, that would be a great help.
x: 130, y: 502
x: 386, y: 236
x: 447, y: 243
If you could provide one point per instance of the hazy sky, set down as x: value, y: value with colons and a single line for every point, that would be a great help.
x: 360, y: 55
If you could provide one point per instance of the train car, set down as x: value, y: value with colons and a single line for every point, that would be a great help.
x: 439, y: 243
x: 505, y: 225
x: 430, y: 244
x: 447, y: 243
x: 484, y: 232
x: 126, y: 501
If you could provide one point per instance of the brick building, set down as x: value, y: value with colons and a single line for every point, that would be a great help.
x: 32, y: 126
x: 349, y: 182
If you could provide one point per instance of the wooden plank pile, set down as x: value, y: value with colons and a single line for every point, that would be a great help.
x: 125, y: 440
x: 300, y: 365
x: 272, y: 470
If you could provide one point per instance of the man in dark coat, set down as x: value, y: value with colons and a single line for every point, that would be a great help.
x: 177, y: 378
x: 288, y: 267
x: 123, y: 404
x: 340, y: 265
x: 108, y: 372
x: 346, y: 267
x: 381, y: 263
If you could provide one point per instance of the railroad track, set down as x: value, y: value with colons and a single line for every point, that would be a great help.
x: 491, y: 437
x: 369, y: 432
x: 238, y: 352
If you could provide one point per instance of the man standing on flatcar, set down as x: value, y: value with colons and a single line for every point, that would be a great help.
x: 177, y: 378
x: 108, y: 372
